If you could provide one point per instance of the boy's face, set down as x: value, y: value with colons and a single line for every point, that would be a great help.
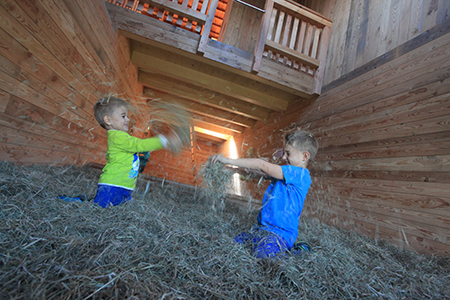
x: 118, y: 120
x: 295, y: 157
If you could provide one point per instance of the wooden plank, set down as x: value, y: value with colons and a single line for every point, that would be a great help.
x: 180, y: 10
x: 199, y: 108
x: 304, y: 12
x: 22, y: 90
x: 294, y: 34
x: 16, y: 137
x: 401, y: 115
x: 361, y: 36
x: 420, y: 94
x: 436, y: 163
x: 412, y: 145
x: 322, y: 55
x: 213, y: 127
x: 292, y: 54
x: 302, y: 83
x: 207, y: 27
x: 443, y: 11
x: 53, y: 25
x: 414, y: 204
x: 437, y: 124
x: 394, y: 24
x: 26, y: 154
x: 11, y: 50
x: 13, y: 75
x: 18, y: 108
x: 29, y: 125
x: 60, y: 47
x: 439, y: 177
x: 431, y: 36
x: 100, y: 22
x: 402, y: 187
x: 396, y: 236
x: 411, y: 66
x: 4, y: 99
x: 217, y: 122
x: 404, y: 9
x: 354, y: 20
x: 263, y: 36
x: 337, y: 42
x: 383, y: 209
x: 14, y: 28
x: 373, y: 36
x: 203, y: 76
x: 203, y: 96
x: 428, y: 15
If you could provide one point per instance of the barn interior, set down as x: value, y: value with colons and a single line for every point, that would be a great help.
x: 370, y: 79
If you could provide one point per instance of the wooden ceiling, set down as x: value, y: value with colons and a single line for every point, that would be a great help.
x: 221, y: 98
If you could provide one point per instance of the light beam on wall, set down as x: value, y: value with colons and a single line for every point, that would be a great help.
x: 233, y: 154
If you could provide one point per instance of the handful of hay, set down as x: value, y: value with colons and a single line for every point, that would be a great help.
x: 170, y: 119
x: 216, y: 181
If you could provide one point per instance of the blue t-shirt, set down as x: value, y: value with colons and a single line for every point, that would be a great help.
x: 283, y: 203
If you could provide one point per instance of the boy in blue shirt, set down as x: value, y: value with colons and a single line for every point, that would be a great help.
x: 278, y: 220
x: 119, y: 176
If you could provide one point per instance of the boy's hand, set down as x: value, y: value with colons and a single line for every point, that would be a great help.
x: 174, y: 143
x: 218, y: 158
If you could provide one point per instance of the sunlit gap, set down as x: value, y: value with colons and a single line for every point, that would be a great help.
x: 233, y: 154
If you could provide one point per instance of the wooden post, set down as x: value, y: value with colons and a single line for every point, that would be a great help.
x: 322, y: 56
x: 207, y: 28
x: 259, y: 50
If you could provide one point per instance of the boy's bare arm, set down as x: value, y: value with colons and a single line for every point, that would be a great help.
x: 257, y: 164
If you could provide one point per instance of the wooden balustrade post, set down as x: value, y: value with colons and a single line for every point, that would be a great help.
x: 208, y: 25
x: 322, y: 56
x: 259, y: 50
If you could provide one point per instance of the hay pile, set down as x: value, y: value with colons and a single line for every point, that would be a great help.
x: 170, y: 244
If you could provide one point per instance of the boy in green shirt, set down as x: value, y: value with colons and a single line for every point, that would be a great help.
x: 119, y: 176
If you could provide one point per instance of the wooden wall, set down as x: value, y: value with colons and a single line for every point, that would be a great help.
x: 56, y: 59
x: 241, y: 24
x: 383, y: 166
x: 366, y: 29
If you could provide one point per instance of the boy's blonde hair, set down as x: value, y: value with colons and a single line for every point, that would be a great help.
x: 105, y: 106
x: 303, y: 141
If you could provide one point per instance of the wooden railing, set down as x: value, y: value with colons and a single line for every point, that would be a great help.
x: 194, y: 15
x: 290, y: 33
x: 295, y: 36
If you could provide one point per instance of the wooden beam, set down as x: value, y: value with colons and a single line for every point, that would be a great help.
x: 206, y: 137
x: 304, y: 13
x: 205, y: 76
x: 217, y: 122
x: 201, y: 109
x: 292, y: 54
x: 212, y: 127
x: 183, y: 90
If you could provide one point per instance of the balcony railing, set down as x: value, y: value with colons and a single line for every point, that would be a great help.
x: 290, y: 34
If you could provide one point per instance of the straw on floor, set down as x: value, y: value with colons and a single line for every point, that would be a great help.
x: 169, y: 243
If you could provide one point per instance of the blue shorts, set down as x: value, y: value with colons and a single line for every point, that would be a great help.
x: 265, y: 244
x: 108, y: 195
